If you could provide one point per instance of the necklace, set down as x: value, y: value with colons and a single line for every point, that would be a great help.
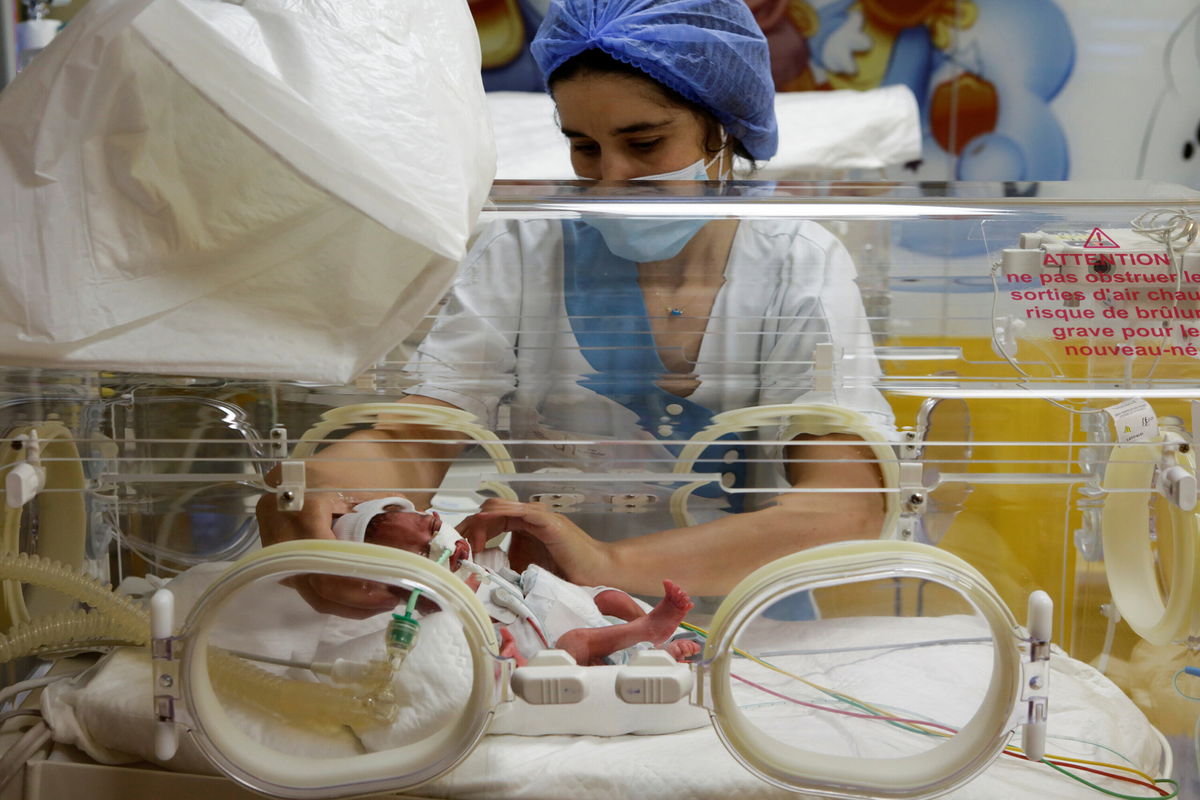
x: 675, y: 311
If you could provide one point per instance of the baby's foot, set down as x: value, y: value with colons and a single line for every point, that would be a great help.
x: 508, y: 647
x: 665, y: 617
x: 682, y: 649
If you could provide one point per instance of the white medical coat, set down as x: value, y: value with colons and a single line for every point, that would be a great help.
x: 504, y: 335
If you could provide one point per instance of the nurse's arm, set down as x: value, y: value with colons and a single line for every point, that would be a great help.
x: 710, y: 558
x: 354, y: 469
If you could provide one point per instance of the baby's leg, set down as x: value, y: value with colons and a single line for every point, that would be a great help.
x: 615, y: 603
x: 591, y: 645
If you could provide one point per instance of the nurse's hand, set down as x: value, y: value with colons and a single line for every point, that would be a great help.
x: 327, y: 594
x: 540, y: 537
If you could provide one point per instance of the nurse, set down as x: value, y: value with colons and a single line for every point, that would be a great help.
x: 610, y: 331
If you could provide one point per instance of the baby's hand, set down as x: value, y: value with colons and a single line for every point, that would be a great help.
x: 541, y: 537
x: 327, y: 594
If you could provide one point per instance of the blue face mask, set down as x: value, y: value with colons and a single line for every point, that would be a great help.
x: 641, y: 240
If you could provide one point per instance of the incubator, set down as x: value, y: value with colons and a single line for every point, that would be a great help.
x: 1017, y: 613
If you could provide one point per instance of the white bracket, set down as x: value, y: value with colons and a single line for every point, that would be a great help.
x: 825, y: 359
x: 28, y: 476
x: 1004, y: 336
x: 279, y: 442
x: 289, y: 494
x: 914, y: 498
x: 1177, y: 485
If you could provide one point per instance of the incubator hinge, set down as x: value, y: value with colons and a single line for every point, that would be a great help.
x: 165, y: 651
x: 289, y: 494
x: 1035, y: 674
x: 825, y: 368
x: 164, y: 654
x: 1171, y: 480
x: 701, y: 675
x: 27, y: 477
x: 279, y: 442
x: 914, y: 499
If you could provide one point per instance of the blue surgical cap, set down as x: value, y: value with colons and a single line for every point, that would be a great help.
x: 711, y: 52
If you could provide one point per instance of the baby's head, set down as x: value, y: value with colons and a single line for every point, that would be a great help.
x: 395, y: 522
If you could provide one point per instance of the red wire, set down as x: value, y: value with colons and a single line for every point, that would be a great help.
x: 880, y: 718
x: 1069, y: 765
x: 538, y: 631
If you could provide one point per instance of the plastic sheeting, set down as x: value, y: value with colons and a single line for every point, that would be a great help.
x: 819, y: 132
x: 276, y: 189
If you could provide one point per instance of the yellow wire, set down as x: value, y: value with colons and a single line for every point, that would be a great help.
x: 885, y: 716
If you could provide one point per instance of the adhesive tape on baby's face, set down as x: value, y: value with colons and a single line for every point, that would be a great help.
x: 352, y: 527
x: 446, y: 539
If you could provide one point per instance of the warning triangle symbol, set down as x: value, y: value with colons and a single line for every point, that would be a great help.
x: 1098, y: 238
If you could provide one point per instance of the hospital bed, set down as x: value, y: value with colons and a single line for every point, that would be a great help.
x: 999, y: 463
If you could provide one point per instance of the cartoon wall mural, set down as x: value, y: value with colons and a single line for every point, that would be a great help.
x: 1170, y: 149
x: 983, y: 71
x: 505, y: 29
x: 1002, y: 84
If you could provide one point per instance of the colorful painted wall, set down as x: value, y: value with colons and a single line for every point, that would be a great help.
x: 1017, y: 90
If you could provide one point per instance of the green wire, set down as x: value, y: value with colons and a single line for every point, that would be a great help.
x: 412, y: 598
x: 1110, y: 793
x: 904, y: 726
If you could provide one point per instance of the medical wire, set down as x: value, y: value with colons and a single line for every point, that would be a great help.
x: 1194, y: 672
x: 1057, y: 764
x: 32, y: 741
x: 1180, y: 227
x: 930, y: 728
x: 20, y: 712
x: 1003, y: 351
x: 8, y: 692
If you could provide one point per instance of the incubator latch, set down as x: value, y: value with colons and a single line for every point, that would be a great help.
x: 164, y: 654
x: 289, y: 494
x: 913, y: 499
x: 1035, y: 691
x: 27, y: 477
x: 1171, y: 480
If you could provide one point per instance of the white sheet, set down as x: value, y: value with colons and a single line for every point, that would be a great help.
x: 819, y: 133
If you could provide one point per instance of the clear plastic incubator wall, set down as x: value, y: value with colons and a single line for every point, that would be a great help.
x: 1011, y: 607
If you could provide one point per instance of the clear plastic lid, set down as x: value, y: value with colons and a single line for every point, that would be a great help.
x: 294, y: 702
x: 794, y: 661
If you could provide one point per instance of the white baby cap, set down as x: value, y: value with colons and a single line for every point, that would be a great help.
x: 352, y: 527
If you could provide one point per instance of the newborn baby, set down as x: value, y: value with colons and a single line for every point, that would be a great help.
x: 536, y: 609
